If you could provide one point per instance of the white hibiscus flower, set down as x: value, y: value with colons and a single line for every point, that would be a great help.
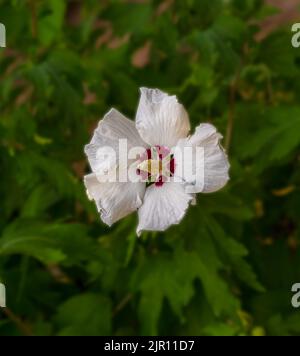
x: 161, y: 124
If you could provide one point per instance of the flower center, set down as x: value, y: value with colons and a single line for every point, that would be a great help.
x: 156, y: 165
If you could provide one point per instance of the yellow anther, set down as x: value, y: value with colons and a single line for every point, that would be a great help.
x: 154, y: 167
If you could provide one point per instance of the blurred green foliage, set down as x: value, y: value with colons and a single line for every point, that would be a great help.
x: 229, y: 267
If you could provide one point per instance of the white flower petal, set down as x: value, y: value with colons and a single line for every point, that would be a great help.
x: 114, y: 200
x: 163, y: 206
x: 160, y: 119
x: 111, y: 129
x: 216, y: 165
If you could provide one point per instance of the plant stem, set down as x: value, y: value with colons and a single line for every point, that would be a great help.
x: 122, y: 304
x: 24, y: 328
x: 231, y: 114
x: 232, y: 99
x: 33, y: 10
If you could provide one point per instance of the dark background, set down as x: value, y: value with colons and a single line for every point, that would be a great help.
x: 228, y: 268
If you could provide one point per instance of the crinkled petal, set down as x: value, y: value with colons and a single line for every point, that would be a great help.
x: 160, y: 119
x: 163, y: 206
x: 216, y: 165
x: 111, y: 129
x: 114, y: 200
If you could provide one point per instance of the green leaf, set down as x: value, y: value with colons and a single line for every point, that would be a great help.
x: 136, y: 19
x: 50, y: 24
x: 84, y: 315
x: 235, y: 253
x: 172, y: 277
x: 23, y: 239
x: 278, y: 137
x: 41, y: 198
x: 49, y: 243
